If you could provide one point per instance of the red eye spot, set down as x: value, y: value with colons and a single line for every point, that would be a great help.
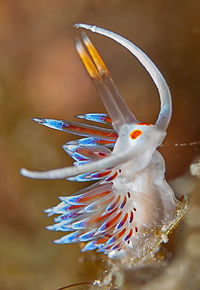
x: 135, y: 133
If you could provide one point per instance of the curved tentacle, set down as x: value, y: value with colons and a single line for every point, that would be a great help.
x: 165, y: 96
x: 108, y: 162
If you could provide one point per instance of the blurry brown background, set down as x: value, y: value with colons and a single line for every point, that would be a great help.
x: 41, y: 76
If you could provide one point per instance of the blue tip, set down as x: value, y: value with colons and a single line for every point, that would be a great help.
x: 89, y: 246
x: 40, y: 121
x: 51, y: 123
x: 71, y: 238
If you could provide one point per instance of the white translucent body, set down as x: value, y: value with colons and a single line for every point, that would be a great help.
x: 154, y: 200
x: 144, y: 177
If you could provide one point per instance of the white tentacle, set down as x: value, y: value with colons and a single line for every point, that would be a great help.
x: 108, y: 162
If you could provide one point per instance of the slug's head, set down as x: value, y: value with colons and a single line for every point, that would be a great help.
x: 140, y: 137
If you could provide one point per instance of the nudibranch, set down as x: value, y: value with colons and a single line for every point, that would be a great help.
x: 131, y: 209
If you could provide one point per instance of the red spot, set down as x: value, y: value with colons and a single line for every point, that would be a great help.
x: 136, y: 229
x: 134, y: 209
x: 129, y: 195
x: 102, y: 154
x: 142, y: 123
x: 135, y: 133
x: 131, y: 217
x: 120, y: 171
x: 89, y: 153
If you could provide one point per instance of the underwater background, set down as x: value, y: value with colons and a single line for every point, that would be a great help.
x: 41, y: 75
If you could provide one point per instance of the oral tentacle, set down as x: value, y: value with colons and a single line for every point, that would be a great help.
x: 113, y: 160
x: 165, y: 96
x: 98, y: 75
x: 106, y: 76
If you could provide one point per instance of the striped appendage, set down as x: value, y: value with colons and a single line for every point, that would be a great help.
x: 96, y: 214
x: 96, y: 145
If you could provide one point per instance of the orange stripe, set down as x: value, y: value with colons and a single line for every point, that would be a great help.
x: 102, y: 174
x: 114, y: 203
x: 90, y: 67
x: 105, y: 141
x: 123, y: 220
x: 129, y: 235
x: 101, y: 241
x: 108, y: 120
x: 112, y: 176
x: 74, y: 206
x: 121, y: 233
x: 95, y: 56
x: 91, y: 131
x: 102, y: 217
x: 113, y: 220
x: 94, y: 196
